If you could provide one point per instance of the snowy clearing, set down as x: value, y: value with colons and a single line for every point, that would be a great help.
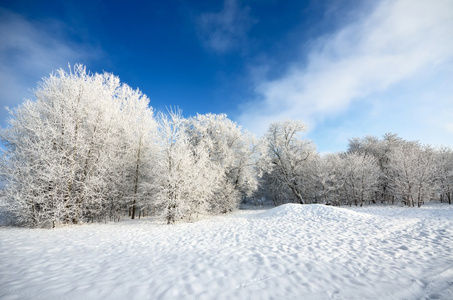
x: 289, y: 252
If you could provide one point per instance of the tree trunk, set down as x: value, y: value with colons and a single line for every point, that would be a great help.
x: 133, y: 209
x: 136, y: 179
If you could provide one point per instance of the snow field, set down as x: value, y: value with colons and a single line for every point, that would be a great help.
x: 288, y: 252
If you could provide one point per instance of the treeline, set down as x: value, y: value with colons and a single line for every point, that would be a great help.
x: 91, y: 149
x: 390, y: 170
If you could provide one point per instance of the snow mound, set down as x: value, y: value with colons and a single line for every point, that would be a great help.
x: 312, y: 212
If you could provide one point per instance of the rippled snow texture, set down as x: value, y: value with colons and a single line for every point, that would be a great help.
x: 289, y: 252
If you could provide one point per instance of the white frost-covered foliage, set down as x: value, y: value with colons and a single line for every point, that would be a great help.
x: 138, y: 132
x: 185, y: 179
x: 348, y: 178
x: 65, y: 156
x: 231, y: 155
x: 205, y: 166
x: 289, y: 162
x: 409, y: 173
x: 330, y: 179
x: 414, y: 172
x: 390, y: 170
x: 444, y: 173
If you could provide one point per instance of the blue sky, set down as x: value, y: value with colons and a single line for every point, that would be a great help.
x: 346, y: 68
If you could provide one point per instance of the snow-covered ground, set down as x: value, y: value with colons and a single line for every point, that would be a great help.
x: 288, y: 252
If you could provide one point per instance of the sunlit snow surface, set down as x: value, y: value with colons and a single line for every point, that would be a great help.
x: 289, y: 252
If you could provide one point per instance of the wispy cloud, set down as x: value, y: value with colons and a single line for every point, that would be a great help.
x: 29, y: 51
x: 227, y: 29
x: 396, y: 41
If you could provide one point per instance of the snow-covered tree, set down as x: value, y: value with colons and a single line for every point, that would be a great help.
x: 289, y: 160
x: 360, y: 175
x: 414, y: 172
x: 138, y: 133
x: 381, y: 149
x: 330, y: 179
x: 231, y: 154
x: 185, y: 180
x: 348, y: 178
x: 444, y: 173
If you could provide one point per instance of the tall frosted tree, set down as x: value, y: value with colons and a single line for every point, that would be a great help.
x: 331, y: 183
x: 444, y: 173
x: 414, y: 172
x: 185, y: 180
x: 231, y: 153
x: 138, y: 144
x: 360, y: 178
x: 289, y: 160
x: 381, y: 150
x: 348, y: 178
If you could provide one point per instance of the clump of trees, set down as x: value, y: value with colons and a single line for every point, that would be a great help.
x: 75, y: 153
x: 90, y: 148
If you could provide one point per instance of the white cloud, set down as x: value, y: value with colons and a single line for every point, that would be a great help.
x: 226, y: 30
x: 397, y: 41
x: 29, y: 51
